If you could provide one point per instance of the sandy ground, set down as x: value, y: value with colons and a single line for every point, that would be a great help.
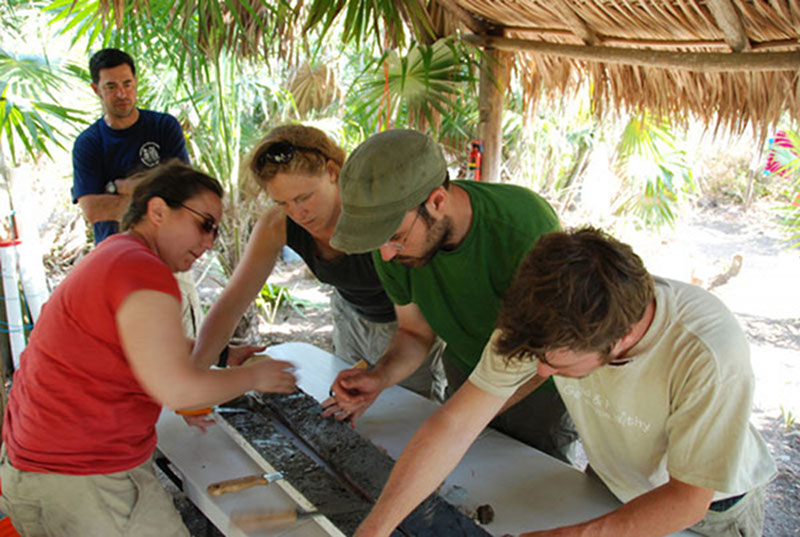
x: 765, y: 297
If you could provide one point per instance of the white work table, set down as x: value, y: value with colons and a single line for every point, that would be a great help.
x: 527, y: 489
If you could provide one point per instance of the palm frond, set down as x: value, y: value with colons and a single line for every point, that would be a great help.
x: 29, y: 104
x: 419, y: 88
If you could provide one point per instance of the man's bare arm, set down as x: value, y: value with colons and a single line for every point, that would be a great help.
x: 103, y: 207
x: 672, y: 507
x: 430, y: 455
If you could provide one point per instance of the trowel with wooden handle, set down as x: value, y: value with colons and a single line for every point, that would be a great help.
x: 242, y: 483
x: 261, y: 520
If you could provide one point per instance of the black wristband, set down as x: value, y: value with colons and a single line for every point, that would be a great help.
x: 223, y: 357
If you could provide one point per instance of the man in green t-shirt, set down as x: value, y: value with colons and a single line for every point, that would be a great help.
x: 445, y: 253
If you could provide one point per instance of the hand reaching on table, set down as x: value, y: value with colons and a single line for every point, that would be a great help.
x: 201, y: 421
x: 352, y: 393
x: 273, y: 376
x: 238, y: 354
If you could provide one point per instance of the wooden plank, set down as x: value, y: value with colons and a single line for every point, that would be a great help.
x: 201, y: 459
x: 268, y: 443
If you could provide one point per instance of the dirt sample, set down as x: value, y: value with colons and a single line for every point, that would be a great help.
x: 485, y: 514
x: 361, y: 468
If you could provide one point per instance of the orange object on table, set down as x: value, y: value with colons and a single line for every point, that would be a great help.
x: 194, y: 412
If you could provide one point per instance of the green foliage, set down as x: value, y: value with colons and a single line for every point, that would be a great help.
x: 272, y: 297
x: 420, y: 89
x: 548, y: 152
x: 788, y: 418
x: 647, y: 155
x: 189, y: 26
x: 29, y: 87
x: 224, y: 124
x: 366, y: 18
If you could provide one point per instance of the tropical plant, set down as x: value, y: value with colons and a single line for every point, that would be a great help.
x: 273, y: 297
x: 32, y: 118
x: 387, y: 21
x: 29, y: 87
x: 420, y: 89
x: 653, y: 169
x: 314, y: 88
x: 548, y: 151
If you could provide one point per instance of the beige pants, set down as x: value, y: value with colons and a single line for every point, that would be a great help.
x: 355, y: 338
x: 745, y: 519
x: 130, y: 504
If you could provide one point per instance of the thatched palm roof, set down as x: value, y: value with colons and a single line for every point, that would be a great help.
x: 734, y: 62
x: 729, y: 62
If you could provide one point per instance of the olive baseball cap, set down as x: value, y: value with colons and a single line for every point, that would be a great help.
x: 387, y: 175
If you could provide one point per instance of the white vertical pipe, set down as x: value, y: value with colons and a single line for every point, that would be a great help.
x: 16, y: 331
x: 34, y: 283
x: 31, y: 267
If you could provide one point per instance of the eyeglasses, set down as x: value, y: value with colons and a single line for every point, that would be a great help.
x: 399, y: 245
x: 208, y: 224
x: 283, y: 152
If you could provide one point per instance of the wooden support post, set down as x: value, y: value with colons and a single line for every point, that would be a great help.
x: 493, y: 83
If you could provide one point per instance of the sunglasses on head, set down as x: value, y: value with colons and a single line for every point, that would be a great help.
x: 283, y: 153
x: 207, y: 224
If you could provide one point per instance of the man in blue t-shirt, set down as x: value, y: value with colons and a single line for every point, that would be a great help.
x: 124, y: 141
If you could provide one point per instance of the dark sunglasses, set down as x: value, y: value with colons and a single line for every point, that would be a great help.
x: 207, y: 224
x: 283, y: 153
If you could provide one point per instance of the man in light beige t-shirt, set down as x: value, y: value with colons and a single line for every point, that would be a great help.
x: 655, y: 374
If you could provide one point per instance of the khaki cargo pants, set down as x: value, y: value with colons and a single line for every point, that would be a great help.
x: 355, y: 338
x: 745, y: 519
x: 130, y: 504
